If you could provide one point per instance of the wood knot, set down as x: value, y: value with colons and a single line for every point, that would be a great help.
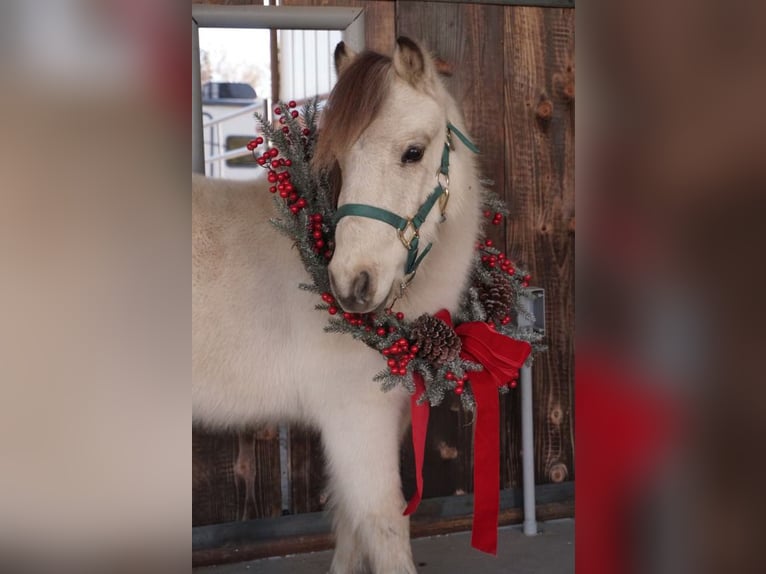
x: 556, y: 416
x: 447, y: 452
x: 269, y: 432
x: 568, y: 89
x: 558, y: 472
x: 544, y: 109
x: 443, y: 67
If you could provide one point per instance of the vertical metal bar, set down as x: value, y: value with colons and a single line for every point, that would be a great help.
x: 284, y: 466
x: 527, y: 426
x: 198, y: 151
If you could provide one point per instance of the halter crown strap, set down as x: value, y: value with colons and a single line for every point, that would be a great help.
x: 401, y: 224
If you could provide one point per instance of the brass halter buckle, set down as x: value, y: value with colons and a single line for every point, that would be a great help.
x: 443, y: 181
x: 407, y: 241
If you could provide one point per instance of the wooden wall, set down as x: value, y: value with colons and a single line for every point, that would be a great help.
x: 513, y: 72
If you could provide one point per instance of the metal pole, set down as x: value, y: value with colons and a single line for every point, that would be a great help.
x: 198, y: 152
x: 527, y: 426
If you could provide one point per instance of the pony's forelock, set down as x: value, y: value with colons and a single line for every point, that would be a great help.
x: 354, y: 103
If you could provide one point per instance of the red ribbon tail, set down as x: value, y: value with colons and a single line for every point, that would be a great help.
x: 486, y: 465
x: 419, y: 427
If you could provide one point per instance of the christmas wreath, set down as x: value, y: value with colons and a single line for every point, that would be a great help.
x: 429, y: 345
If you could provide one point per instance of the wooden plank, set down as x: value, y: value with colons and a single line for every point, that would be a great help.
x: 378, y: 20
x: 235, y: 476
x: 539, y: 130
x: 541, y: 3
x: 318, y: 522
x: 307, y: 471
x: 214, y: 495
x: 254, y: 548
x: 229, y: 2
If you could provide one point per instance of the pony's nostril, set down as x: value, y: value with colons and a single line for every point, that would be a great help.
x: 361, y: 287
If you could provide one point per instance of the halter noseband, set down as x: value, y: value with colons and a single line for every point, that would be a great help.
x: 408, y: 229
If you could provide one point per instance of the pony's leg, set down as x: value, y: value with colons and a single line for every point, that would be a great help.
x: 362, y: 445
x: 348, y: 557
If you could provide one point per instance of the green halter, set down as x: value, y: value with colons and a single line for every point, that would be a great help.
x: 409, y: 229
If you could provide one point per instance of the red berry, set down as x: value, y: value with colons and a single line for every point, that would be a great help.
x: 273, y: 189
x: 291, y: 104
x: 251, y: 145
x: 277, y: 111
x: 332, y: 310
x: 285, y: 130
x: 458, y: 390
x: 306, y: 131
x: 288, y: 162
x: 294, y: 114
x: 487, y: 213
x: 489, y: 243
x: 392, y: 363
x: 381, y: 332
x: 400, y: 316
x: 258, y: 140
x: 319, y: 244
x: 414, y: 349
x: 514, y: 383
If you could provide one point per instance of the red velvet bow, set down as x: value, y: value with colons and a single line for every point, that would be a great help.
x: 501, y: 358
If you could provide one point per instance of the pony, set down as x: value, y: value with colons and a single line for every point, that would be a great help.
x: 260, y: 353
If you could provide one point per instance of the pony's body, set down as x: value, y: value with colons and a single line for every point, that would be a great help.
x: 260, y: 353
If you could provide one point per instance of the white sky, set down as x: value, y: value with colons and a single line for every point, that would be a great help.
x: 240, y: 46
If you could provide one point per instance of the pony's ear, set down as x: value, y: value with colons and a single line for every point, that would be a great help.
x: 343, y: 57
x: 412, y: 63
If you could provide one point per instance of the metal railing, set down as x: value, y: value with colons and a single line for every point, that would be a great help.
x: 215, y: 160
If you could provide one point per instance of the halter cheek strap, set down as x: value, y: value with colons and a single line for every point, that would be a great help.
x: 408, y: 229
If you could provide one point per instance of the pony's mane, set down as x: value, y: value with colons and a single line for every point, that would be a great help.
x: 354, y: 103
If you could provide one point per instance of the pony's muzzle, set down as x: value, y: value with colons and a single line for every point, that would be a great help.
x: 357, y: 297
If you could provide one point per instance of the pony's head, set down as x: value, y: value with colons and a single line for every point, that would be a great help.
x: 384, y: 129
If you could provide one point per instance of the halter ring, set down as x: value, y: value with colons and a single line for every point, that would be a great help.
x: 407, y: 241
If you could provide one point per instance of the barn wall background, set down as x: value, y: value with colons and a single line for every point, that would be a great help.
x: 513, y: 72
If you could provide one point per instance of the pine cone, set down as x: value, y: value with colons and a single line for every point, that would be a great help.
x: 438, y: 342
x: 496, y: 298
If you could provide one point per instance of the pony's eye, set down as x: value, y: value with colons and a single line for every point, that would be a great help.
x: 414, y: 153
